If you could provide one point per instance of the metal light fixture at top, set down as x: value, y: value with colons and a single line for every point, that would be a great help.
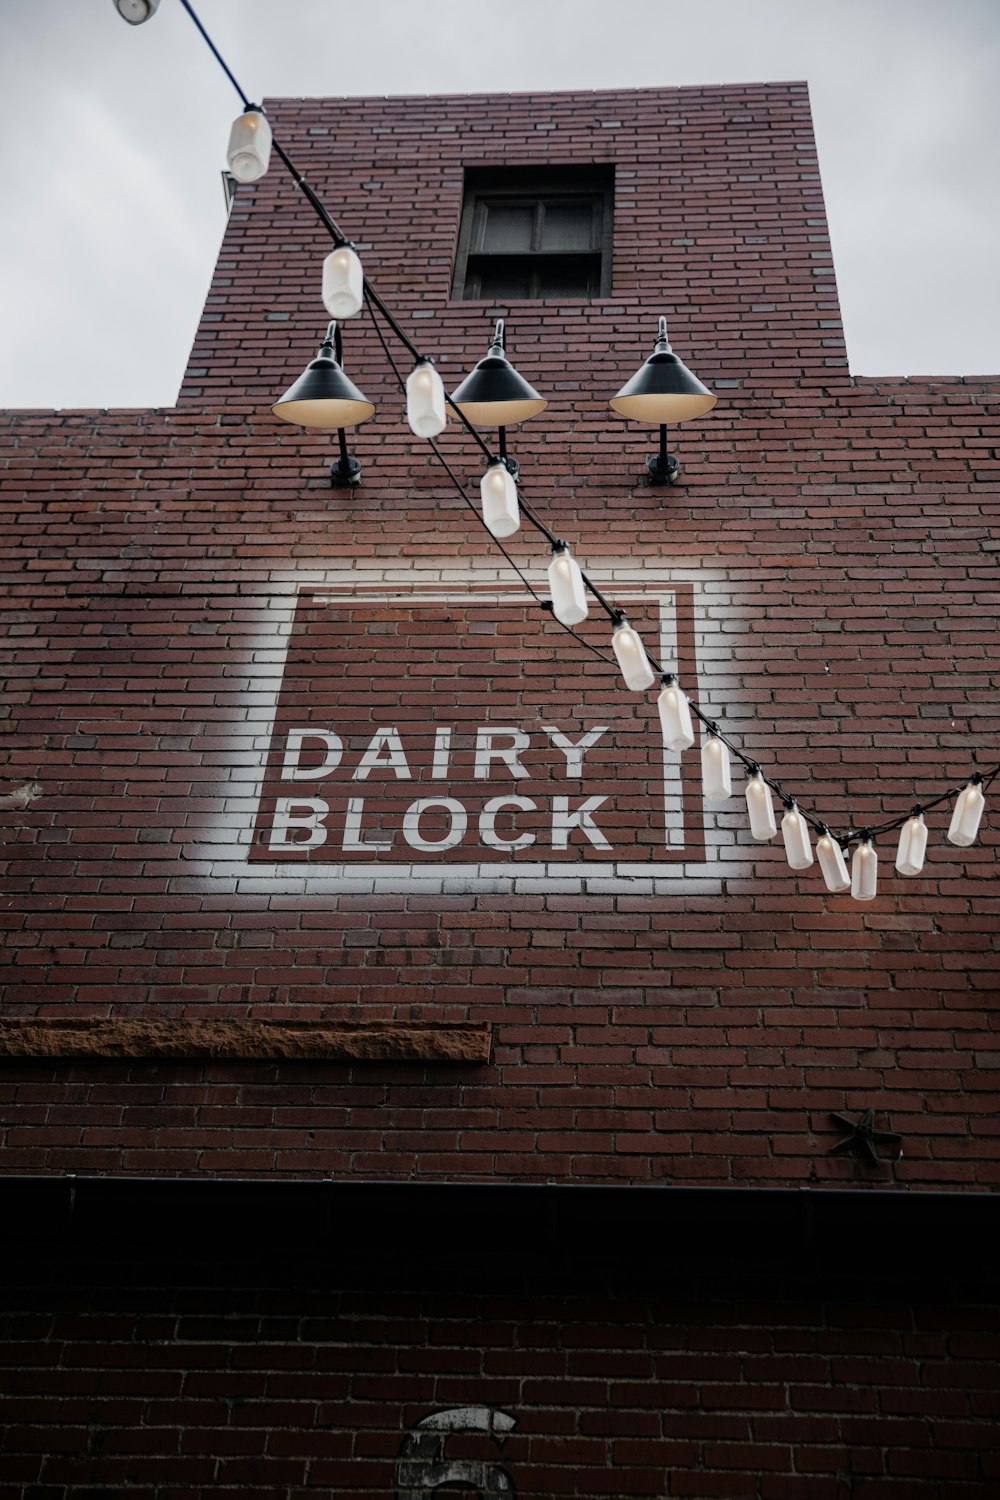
x: 324, y: 399
x: 494, y: 394
x: 663, y: 391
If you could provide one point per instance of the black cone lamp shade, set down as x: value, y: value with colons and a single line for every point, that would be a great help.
x: 323, y: 397
x: 494, y: 394
x: 663, y: 391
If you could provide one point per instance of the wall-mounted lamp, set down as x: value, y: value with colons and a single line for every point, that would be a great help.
x: 495, y: 395
x: 663, y: 391
x: 324, y: 399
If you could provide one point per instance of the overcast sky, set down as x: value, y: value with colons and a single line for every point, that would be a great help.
x: 115, y: 136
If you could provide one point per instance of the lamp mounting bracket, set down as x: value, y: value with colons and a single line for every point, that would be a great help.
x: 663, y: 467
x: 347, y: 469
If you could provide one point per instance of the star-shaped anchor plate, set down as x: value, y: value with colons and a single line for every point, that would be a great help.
x: 862, y: 1135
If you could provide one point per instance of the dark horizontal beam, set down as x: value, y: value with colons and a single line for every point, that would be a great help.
x: 496, y: 1234
x: 247, y: 1041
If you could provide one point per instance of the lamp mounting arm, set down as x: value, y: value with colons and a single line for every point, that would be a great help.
x: 510, y: 464
x: 334, y: 339
x: 497, y: 347
x: 662, y: 341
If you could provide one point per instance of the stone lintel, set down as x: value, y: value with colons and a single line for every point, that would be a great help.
x: 247, y: 1041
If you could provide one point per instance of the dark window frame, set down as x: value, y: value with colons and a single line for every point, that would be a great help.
x: 535, y: 188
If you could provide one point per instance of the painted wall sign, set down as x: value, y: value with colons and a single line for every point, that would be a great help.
x: 422, y: 729
x: 423, y: 1467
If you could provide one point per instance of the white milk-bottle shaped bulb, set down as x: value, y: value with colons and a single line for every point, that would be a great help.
x: 632, y: 658
x: 864, y: 871
x: 675, y: 715
x: 566, y: 586
x: 249, y: 148
x: 795, y: 832
x: 912, y: 845
x: 761, y: 808
x: 499, y: 496
x: 968, y: 812
x: 425, y: 401
x: 716, y: 772
x: 343, y: 283
x: 832, y: 863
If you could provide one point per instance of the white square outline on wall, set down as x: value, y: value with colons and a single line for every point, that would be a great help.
x: 524, y: 876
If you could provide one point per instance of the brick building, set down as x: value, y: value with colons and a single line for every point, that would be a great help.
x: 475, y: 1149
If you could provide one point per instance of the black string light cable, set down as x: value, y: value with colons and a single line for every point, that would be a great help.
x: 986, y: 778
x: 333, y: 228
x: 983, y: 779
x: 616, y: 615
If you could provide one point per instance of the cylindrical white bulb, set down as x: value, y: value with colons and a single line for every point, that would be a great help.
x: 632, y: 658
x: 343, y: 283
x: 499, y: 495
x: 832, y: 864
x: 716, y: 773
x: 249, y: 146
x: 136, y: 11
x: 566, y: 587
x: 675, y: 717
x: 966, y: 817
x: 912, y: 846
x: 864, y: 871
x: 761, y: 808
x: 795, y: 832
x: 425, y: 401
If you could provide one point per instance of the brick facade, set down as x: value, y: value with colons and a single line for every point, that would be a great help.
x: 691, y: 1025
x: 284, y: 1395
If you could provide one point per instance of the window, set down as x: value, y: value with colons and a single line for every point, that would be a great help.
x: 535, y: 233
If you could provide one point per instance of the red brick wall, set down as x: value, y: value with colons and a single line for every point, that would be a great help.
x: 719, y: 223
x: 838, y: 537
x: 273, y: 1393
x: 698, y: 1032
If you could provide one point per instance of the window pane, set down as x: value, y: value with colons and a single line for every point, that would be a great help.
x: 507, y: 228
x: 559, y: 278
x: 567, y: 226
x: 498, y: 283
x: 527, y: 232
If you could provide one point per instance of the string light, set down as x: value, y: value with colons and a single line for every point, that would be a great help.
x: 136, y: 11
x: 425, y: 400
x: 499, y: 497
x: 716, y: 772
x: 675, y: 715
x: 251, y: 141
x: 864, y: 870
x: 832, y: 863
x: 632, y: 656
x: 566, y: 587
x: 795, y: 832
x: 968, y: 812
x: 760, y: 807
x: 912, y: 845
x: 249, y: 150
x: 343, y: 283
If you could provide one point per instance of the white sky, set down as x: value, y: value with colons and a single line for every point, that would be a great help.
x: 115, y: 135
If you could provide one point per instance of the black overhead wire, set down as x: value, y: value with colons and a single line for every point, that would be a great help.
x: 616, y: 615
